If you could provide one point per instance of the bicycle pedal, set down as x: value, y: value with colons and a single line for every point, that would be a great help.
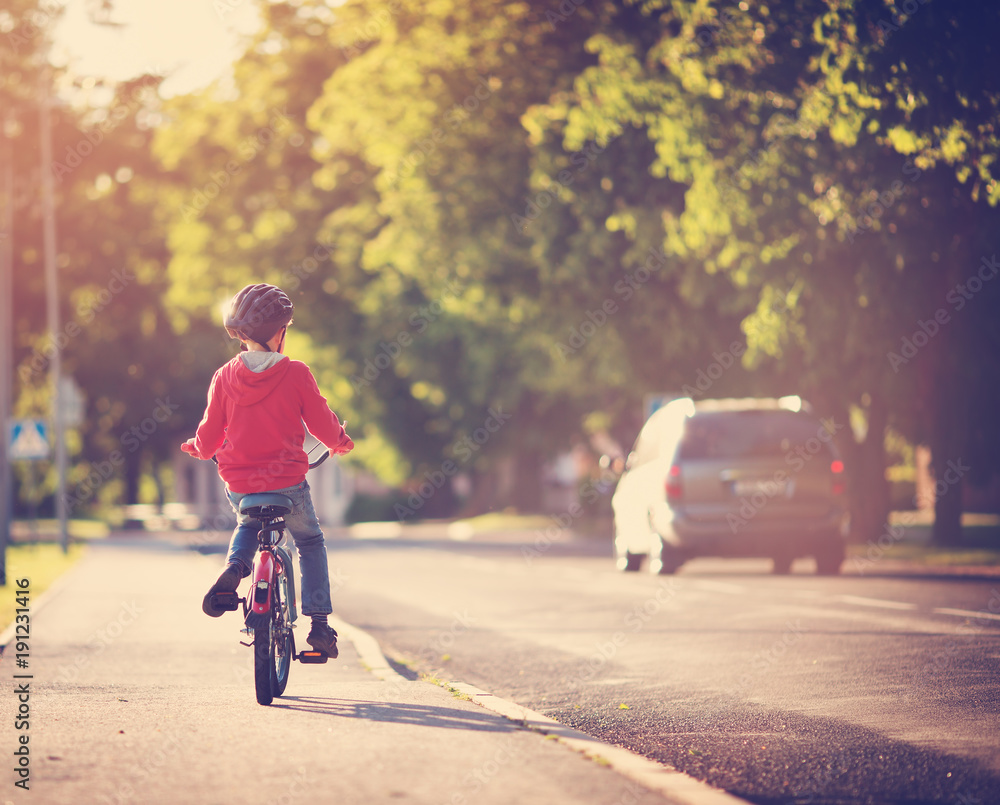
x: 227, y: 602
x: 313, y: 657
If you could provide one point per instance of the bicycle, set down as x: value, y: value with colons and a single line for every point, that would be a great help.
x: 269, y: 610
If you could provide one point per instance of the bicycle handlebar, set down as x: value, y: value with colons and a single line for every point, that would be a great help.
x: 312, y: 464
x: 321, y: 459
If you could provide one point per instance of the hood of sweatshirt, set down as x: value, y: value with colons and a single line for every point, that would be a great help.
x: 245, y: 385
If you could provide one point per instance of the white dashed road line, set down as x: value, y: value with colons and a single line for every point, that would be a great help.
x: 720, y: 587
x: 875, y: 602
x: 966, y: 613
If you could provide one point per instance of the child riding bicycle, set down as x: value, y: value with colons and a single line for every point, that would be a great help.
x: 259, y: 406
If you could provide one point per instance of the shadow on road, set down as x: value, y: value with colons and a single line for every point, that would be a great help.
x: 397, y: 713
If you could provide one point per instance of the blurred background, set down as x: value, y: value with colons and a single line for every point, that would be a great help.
x: 511, y: 230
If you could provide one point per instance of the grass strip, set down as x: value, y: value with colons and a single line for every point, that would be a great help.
x: 41, y: 564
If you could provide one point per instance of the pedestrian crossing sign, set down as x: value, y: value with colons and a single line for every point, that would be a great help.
x: 28, y: 439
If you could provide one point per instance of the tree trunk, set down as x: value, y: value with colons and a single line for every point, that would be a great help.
x: 484, y: 494
x: 870, y: 498
x: 527, y: 492
x: 133, y: 475
x: 947, y: 447
x: 948, y: 515
x: 948, y: 428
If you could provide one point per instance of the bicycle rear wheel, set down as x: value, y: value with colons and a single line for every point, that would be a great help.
x: 263, y: 661
x: 283, y: 646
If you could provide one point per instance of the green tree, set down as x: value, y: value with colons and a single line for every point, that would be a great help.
x: 769, y: 123
x: 114, y: 338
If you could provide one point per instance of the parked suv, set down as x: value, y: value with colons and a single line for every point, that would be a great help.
x: 738, y: 478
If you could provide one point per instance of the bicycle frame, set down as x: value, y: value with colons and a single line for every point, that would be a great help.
x: 272, y: 567
x: 265, y: 572
x: 269, y: 610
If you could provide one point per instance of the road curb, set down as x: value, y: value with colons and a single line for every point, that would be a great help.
x: 654, y: 776
x: 37, y: 604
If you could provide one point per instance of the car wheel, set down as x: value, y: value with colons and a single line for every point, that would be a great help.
x: 629, y: 562
x: 830, y: 557
x: 665, y: 559
x: 625, y: 560
x: 782, y: 565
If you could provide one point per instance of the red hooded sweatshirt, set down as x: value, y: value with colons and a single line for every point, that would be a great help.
x: 255, y: 424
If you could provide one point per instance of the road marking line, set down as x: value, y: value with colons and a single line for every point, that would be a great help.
x: 720, y: 587
x: 657, y: 777
x: 648, y: 773
x: 875, y: 602
x: 966, y: 613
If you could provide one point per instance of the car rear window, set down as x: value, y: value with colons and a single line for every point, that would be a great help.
x: 749, y: 434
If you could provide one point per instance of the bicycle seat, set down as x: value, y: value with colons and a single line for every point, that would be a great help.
x: 265, y: 505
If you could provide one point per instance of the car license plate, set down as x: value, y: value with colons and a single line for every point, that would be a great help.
x: 768, y: 486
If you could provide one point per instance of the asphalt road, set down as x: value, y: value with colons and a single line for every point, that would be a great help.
x: 133, y: 696
x: 868, y: 688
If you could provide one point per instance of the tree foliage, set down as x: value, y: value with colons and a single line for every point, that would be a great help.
x: 550, y: 211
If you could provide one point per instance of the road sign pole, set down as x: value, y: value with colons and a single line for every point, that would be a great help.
x: 6, y: 345
x: 52, y: 300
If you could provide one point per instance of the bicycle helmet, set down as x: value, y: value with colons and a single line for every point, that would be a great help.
x: 258, y: 312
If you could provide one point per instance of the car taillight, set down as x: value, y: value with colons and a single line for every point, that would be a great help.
x: 674, y: 488
x: 839, y: 484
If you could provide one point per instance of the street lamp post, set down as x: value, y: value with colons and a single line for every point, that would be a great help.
x: 6, y: 343
x: 52, y: 305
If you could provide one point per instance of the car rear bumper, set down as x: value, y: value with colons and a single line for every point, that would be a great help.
x: 757, y: 537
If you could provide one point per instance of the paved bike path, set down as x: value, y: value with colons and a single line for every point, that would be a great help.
x: 135, y: 696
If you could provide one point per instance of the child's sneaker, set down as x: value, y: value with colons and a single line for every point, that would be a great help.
x: 323, y: 637
x: 226, y: 583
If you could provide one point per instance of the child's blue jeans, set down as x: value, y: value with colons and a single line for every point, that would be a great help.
x: 301, y: 522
